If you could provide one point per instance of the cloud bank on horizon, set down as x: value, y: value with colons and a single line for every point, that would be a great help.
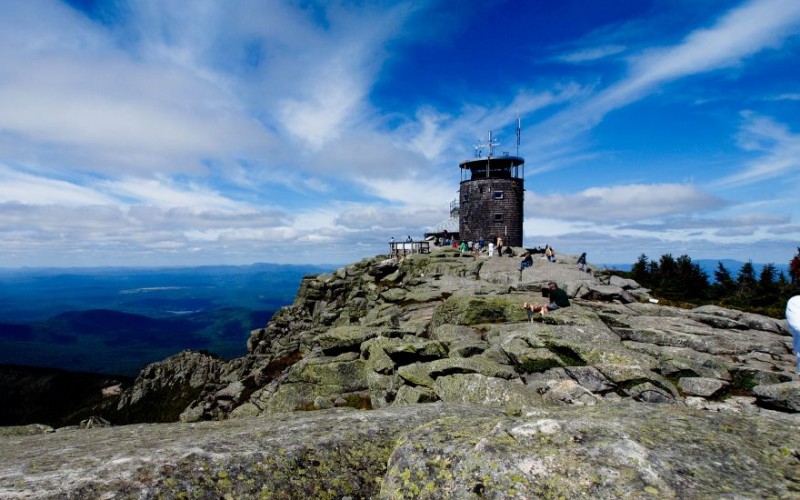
x: 155, y: 133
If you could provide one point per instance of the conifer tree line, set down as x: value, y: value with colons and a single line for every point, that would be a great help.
x: 682, y: 281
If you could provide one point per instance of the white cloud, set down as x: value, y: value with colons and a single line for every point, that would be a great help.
x: 592, y: 53
x: 332, y: 99
x: 421, y: 192
x: 632, y: 202
x: 30, y: 189
x: 161, y: 193
x: 113, y: 110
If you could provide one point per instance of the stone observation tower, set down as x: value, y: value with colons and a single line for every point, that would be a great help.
x: 491, y: 196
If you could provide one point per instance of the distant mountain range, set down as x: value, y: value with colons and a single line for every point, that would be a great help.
x: 710, y: 265
x: 117, y: 320
x: 35, y: 294
x: 113, y: 342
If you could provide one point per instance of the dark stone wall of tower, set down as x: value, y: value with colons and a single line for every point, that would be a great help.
x: 491, y: 208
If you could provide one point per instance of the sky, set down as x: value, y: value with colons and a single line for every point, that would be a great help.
x: 170, y: 133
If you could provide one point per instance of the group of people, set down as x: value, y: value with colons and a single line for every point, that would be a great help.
x: 550, y: 255
x: 493, y: 247
x: 500, y: 248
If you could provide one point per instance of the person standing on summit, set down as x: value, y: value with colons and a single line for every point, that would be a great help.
x: 582, y: 262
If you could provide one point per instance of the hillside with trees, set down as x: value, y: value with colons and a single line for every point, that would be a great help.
x: 681, y: 281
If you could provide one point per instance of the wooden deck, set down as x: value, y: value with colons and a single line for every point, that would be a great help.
x: 403, y: 248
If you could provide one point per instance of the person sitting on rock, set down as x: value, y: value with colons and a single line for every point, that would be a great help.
x: 550, y: 254
x: 558, y: 300
x: 527, y: 261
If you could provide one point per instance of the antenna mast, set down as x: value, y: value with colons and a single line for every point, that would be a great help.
x: 519, y: 132
x: 491, y: 144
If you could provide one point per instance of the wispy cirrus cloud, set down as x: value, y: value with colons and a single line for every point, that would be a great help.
x: 590, y: 54
x: 791, y: 96
x: 778, y: 147
x: 740, y: 33
x: 755, y: 26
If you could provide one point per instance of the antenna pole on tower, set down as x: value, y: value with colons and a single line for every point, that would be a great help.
x: 519, y: 132
x: 491, y: 144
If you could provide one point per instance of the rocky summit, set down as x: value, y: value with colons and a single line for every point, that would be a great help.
x: 424, y: 378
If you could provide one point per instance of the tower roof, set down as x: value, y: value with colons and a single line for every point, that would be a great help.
x: 499, y: 161
x: 450, y: 225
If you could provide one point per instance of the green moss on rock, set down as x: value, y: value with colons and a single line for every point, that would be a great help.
x: 472, y: 310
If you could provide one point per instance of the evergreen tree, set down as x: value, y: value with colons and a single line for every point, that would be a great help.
x: 691, y: 280
x: 653, y: 271
x: 746, y: 283
x: 767, y: 290
x: 666, y: 280
x: 667, y: 267
x: 766, y: 279
x: 724, y: 285
x: 784, y: 285
x: 640, y: 271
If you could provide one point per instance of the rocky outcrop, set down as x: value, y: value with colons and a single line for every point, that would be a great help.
x: 614, y: 396
x: 164, y: 389
x: 446, y: 327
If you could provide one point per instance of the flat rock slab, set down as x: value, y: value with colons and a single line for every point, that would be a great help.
x: 627, y: 450
x: 419, y: 451
x: 322, y: 454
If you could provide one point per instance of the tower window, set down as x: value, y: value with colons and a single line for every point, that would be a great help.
x: 498, y: 217
x: 498, y: 195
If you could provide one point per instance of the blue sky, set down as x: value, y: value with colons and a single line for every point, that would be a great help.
x: 157, y: 133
